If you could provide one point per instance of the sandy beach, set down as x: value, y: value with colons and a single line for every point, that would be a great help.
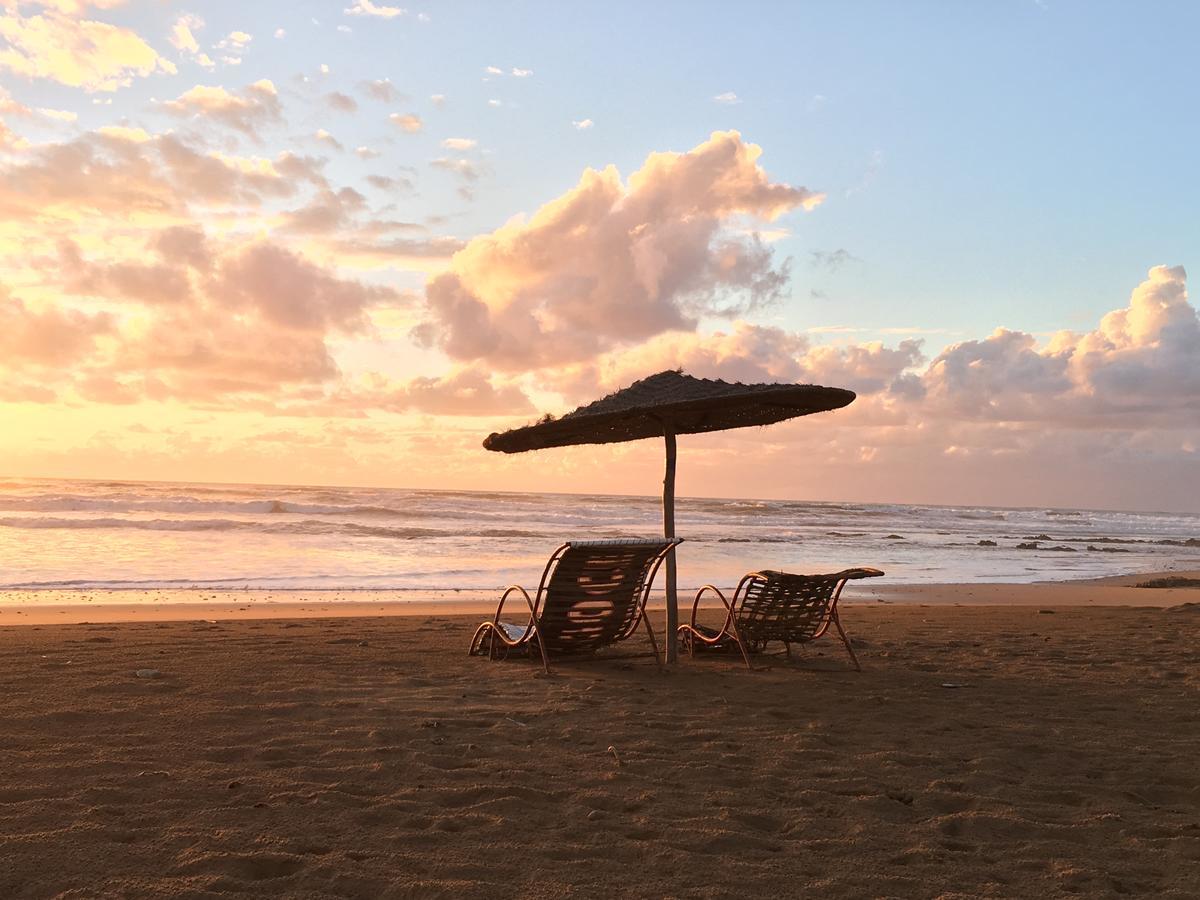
x: 985, y: 750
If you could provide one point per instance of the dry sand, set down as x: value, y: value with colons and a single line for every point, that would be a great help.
x: 368, y: 757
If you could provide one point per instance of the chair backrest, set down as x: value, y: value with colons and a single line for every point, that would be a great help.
x: 779, y: 606
x: 593, y: 592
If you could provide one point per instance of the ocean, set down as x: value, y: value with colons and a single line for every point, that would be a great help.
x: 109, y: 534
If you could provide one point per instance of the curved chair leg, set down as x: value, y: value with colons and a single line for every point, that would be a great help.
x: 845, y: 640
x: 653, y: 642
x: 537, y: 636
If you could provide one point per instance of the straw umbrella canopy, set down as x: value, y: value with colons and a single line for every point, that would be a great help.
x: 665, y: 405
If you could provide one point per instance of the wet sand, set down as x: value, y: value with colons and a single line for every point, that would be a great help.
x: 51, y: 607
x: 984, y: 751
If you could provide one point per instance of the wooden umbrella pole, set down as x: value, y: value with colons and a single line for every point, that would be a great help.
x: 669, y: 532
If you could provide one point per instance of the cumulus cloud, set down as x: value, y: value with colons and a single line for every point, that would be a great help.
x: 218, y: 318
x: 382, y: 90
x: 1141, y: 363
x: 327, y: 212
x: 610, y: 264
x: 341, y: 102
x: 125, y: 172
x: 463, y: 392
x: 325, y: 137
x: 287, y: 290
x: 381, y: 11
x: 235, y: 41
x: 246, y: 111
x: 728, y: 98
x: 408, y: 122
x: 51, y: 336
x: 455, y: 143
x: 390, y: 183
x: 582, y: 124
x: 83, y: 53
x: 750, y: 353
x: 183, y: 36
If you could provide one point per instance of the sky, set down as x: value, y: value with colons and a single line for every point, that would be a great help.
x: 340, y: 243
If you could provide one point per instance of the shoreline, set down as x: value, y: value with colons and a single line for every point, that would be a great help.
x: 76, y: 606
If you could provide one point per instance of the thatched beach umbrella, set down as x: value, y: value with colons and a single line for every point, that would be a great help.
x: 665, y: 405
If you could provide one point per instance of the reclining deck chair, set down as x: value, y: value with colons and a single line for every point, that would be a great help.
x: 592, y: 594
x: 774, y: 606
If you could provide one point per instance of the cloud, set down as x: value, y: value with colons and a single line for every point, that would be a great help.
x: 366, y: 153
x: 464, y: 392
x: 123, y: 173
x: 463, y: 168
x: 382, y: 90
x: 326, y: 138
x: 729, y: 98
x: 49, y: 337
x: 83, y: 53
x: 327, y: 212
x: 609, y: 264
x: 218, y: 318
x: 582, y: 124
x: 247, y: 111
x: 874, y: 166
x: 287, y: 290
x: 1139, y: 364
x: 830, y: 260
x: 749, y: 353
x: 341, y: 102
x: 410, y: 122
x: 9, y: 105
x: 438, y: 100
x: 367, y: 8
x: 521, y: 73
x: 389, y: 183
x: 467, y: 172
x: 183, y: 36
x: 459, y: 143
x: 235, y: 41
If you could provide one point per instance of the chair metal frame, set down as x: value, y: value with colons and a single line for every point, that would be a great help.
x: 817, y: 614
x: 495, y: 637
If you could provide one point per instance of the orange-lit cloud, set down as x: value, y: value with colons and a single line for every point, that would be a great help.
x: 83, y: 53
x: 608, y: 264
x: 247, y: 110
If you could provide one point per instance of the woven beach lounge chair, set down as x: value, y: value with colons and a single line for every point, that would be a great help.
x: 592, y: 594
x: 774, y: 606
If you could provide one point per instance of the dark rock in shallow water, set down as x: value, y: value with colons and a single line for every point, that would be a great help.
x: 1032, y: 545
x: 895, y: 537
x: 986, y: 544
x: 1061, y: 549
x: 1108, y: 549
x: 1171, y: 581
